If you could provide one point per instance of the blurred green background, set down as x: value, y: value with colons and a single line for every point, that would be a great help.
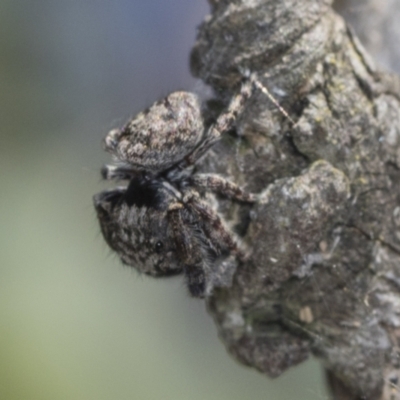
x: 76, y: 324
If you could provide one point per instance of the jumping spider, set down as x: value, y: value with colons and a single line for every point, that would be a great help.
x: 161, y: 223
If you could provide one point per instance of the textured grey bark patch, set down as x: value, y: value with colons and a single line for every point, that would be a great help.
x: 323, y: 273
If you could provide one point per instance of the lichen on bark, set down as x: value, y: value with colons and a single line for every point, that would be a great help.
x: 323, y: 274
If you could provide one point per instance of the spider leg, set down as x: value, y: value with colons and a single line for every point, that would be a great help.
x: 189, y: 250
x: 223, y: 243
x: 224, y: 122
x: 220, y: 185
x: 220, y: 236
x: 265, y: 91
x: 119, y: 172
x: 207, y: 249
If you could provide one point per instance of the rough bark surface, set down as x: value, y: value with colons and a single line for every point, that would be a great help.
x: 377, y: 25
x: 323, y: 274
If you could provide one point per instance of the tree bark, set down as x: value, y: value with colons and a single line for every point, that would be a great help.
x: 323, y: 272
x: 376, y: 24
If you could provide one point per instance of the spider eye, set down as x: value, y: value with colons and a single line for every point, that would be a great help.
x: 159, y: 247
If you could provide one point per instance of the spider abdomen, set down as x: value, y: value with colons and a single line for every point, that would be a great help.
x: 161, y: 136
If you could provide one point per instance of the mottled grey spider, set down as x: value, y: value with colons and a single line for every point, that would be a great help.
x: 161, y: 223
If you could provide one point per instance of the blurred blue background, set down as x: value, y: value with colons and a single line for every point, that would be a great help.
x: 76, y: 324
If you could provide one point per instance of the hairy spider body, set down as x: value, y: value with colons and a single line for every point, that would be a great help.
x: 160, y: 136
x: 162, y: 223
x: 134, y: 223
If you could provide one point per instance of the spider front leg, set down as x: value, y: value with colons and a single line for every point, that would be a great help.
x: 222, y: 186
x: 189, y: 251
x: 120, y: 172
x: 225, y: 121
x: 220, y: 238
x: 225, y: 247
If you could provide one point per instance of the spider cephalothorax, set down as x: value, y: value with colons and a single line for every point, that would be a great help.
x: 161, y: 223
